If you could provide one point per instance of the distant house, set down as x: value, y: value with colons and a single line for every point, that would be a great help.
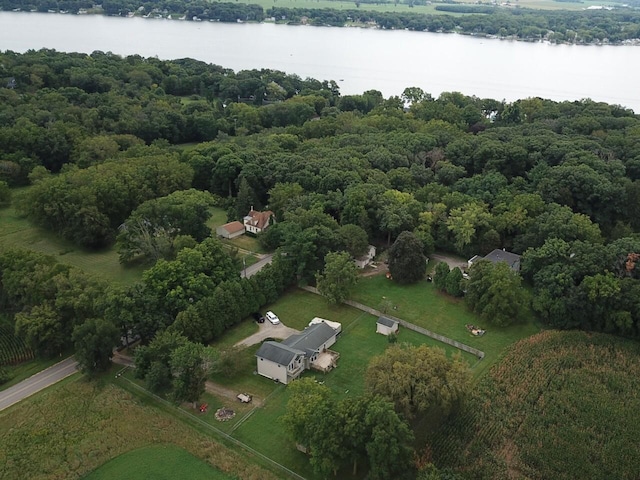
x: 257, y: 222
x: 386, y: 326
x: 230, y: 230
x: 364, y: 260
x: 285, y: 361
x: 511, y: 259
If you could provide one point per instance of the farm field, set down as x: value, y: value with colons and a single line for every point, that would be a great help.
x: 424, y: 9
x: 77, y: 426
x: 161, y: 462
x: 18, y: 232
x: 561, y: 405
x: 424, y: 306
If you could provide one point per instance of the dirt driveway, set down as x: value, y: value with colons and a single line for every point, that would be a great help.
x: 267, y: 330
x: 450, y: 260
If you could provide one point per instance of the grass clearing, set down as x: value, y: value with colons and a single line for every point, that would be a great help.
x: 75, y: 426
x: 18, y: 232
x: 423, y: 305
x: 246, y: 242
x: 160, y: 462
x: 218, y: 217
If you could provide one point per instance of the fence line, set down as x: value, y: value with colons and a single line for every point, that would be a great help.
x: 436, y: 336
x: 224, y: 435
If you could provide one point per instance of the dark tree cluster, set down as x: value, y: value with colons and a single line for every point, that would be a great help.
x: 560, y: 26
x: 58, y: 108
x: 54, y: 308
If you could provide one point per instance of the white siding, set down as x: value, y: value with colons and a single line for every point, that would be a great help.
x: 384, y: 330
x: 272, y: 370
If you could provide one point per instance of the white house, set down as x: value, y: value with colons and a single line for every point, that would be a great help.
x: 386, y: 326
x: 230, y: 230
x: 285, y: 361
x: 257, y: 222
x: 364, y: 260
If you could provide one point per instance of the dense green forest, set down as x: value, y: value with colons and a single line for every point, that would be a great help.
x: 132, y: 152
x: 558, y: 26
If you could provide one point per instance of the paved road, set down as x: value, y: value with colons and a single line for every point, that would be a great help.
x: 37, y: 382
x: 256, y: 267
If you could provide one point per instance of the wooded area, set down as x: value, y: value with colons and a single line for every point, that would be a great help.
x: 93, y: 148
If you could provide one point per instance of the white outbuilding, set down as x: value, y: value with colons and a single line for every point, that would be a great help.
x: 386, y: 326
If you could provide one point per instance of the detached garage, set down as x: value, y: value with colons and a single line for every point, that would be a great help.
x: 386, y: 326
x: 230, y: 230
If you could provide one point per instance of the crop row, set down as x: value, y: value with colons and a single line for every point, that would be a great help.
x: 12, y: 349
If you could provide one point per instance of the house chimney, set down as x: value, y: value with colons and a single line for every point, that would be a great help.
x: 252, y: 208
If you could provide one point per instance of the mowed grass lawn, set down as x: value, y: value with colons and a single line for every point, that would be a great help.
x: 423, y: 305
x: 160, y: 462
x: 18, y: 232
x: 357, y: 344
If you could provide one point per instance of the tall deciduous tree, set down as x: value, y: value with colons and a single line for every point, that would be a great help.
x: 189, y: 370
x: 418, y: 379
x: 496, y: 293
x: 407, y: 263
x: 94, y: 341
x: 338, y: 277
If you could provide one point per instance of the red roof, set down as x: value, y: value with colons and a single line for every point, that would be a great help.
x: 233, y: 227
x: 259, y: 219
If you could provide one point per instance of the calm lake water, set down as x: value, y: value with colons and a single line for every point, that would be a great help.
x: 358, y: 59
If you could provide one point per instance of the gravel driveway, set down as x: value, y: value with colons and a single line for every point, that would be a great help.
x: 450, y: 260
x: 268, y: 330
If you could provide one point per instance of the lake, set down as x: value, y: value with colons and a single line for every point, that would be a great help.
x: 358, y: 59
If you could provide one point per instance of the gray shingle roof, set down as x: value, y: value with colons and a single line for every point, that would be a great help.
x: 311, y: 337
x: 387, y: 322
x: 277, y: 352
x: 512, y: 259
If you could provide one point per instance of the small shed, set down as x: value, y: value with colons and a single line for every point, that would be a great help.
x: 230, y: 230
x: 386, y: 326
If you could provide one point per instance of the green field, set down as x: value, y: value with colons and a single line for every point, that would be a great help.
x: 423, y: 305
x: 18, y: 232
x: 423, y: 9
x: 76, y: 426
x: 161, y: 462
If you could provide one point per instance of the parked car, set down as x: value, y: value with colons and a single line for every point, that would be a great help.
x: 272, y: 317
x: 257, y: 316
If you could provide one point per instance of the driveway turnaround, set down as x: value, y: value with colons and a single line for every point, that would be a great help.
x: 267, y: 330
x: 37, y: 382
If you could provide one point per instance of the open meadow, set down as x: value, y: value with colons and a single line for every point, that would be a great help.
x: 18, y: 232
x: 76, y: 426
